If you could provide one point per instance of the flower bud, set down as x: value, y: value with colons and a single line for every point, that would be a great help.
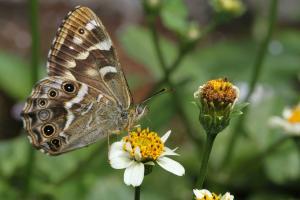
x: 152, y: 7
x: 228, y: 8
x: 193, y: 32
x: 216, y: 100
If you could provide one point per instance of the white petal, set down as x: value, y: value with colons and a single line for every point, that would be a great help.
x: 276, y: 122
x: 120, y: 162
x: 289, y: 128
x: 128, y: 147
x: 169, y: 152
x: 237, y: 90
x: 171, y: 166
x: 165, y: 136
x: 198, y: 194
x: 116, y: 150
x: 137, y: 154
x: 227, y: 196
x: 117, y: 146
x: 134, y: 174
x: 287, y: 112
x: 201, y: 193
x: 196, y: 94
x: 293, y: 129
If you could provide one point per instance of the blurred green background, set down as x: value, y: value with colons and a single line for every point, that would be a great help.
x: 229, y: 50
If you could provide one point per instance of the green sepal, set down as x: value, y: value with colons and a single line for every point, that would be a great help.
x: 148, y: 169
x: 237, y: 109
x: 216, y: 117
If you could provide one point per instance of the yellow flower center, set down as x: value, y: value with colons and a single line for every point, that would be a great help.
x: 219, y: 91
x: 206, y: 197
x: 149, y: 143
x: 295, y: 116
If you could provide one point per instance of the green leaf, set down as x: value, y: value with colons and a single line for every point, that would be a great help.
x: 139, y: 45
x: 174, y: 15
x: 15, y: 76
x: 287, y: 156
x: 113, y: 188
x: 12, y: 152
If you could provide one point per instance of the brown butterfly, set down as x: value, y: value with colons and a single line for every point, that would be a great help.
x: 85, y: 96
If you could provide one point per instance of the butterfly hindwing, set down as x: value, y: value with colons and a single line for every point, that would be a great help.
x: 62, y: 115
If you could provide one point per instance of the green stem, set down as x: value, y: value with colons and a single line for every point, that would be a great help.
x: 176, y: 97
x: 205, y: 157
x: 258, y: 67
x: 137, y: 193
x: 158, y: 49
x: 29, y: 168
x: 182, y: 53
x: 35, y: 38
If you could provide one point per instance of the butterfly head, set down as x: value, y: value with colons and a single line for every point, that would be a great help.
x: 135, y: 114
x: 140, y: 110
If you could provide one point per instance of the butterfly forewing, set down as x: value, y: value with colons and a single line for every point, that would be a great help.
x: 83, y: 51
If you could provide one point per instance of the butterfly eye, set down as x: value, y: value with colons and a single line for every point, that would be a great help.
x: 48, y: 130
x: 52, y: 93
x: 69, y: 87
x: 42, y: 103
x: 81, y: 31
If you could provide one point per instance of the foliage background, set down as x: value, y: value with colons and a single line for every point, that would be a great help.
x: 254, y: 171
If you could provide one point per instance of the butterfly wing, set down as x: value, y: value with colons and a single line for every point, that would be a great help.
x: 85, y: 92
x: 83, y: 51
x: 60, y: 117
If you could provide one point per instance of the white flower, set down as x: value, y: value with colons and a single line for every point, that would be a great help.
x: 289, y: 122
x: 207, y: 195
x: 227, y: 196
x: 202, y: 194
x: 141, y: 148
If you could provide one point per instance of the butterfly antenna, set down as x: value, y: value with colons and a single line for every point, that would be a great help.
x: 160, y: 92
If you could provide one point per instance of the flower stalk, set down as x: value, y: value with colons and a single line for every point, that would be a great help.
x: 137, y: 193
x: 206, y: 153
x: 33, y: 18
x: 216, y: 101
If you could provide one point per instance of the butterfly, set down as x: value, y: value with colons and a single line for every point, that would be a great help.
x: 85, y: 96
